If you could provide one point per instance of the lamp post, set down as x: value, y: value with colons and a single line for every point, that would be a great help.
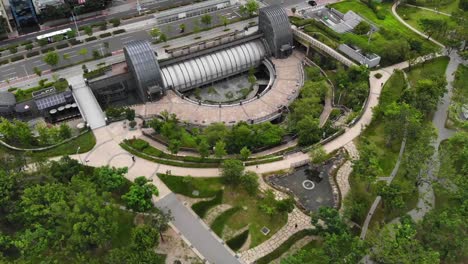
x: 74, y: 20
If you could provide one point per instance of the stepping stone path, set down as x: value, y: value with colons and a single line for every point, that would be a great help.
x: 342, y: 176
x: 214, y: 212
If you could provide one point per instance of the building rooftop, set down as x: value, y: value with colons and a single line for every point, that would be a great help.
x: 7, y: 99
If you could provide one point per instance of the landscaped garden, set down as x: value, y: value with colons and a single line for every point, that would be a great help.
x: 246, y: 209
x: 459, y: 99
x: 399, y: 113
x: 393, y: 41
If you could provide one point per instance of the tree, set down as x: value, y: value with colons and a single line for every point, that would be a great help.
x: 144, y: 237
x: 155, y: 33
x: 308, y: 131
x: 249, y: 180
x: 313, y: 256
x: 206, y: 19
x: 182, y: 28
x: 391, y: 195
x: 109, y: 179
x: 71, y: 34
x: 432, y: 26
x: 130, y: 114
x: 251, y: 7
x: 367, y: 167
x: 58, y: 38
x: 224, y: 20
x: 398, y: 244
x: 64, y: 169
x: 29, y: 46
x: 426, y: 94
x: 293, y: 10
x: 115, y: 22
x: 139, y: 196
x: 362, y: 28
x: 203, y: 148
x: 65, y: 131
x: 245, y: 153
x: 174, y: 146
x: 159, y: 221
x: 220, y: 149
x: 52, y: 58
x: 318, y: 154
x: 7, y: 186
x: 215, y: 132
x: 37, y: 71
x: 400, y: 119
x: 83, y: 52
x: 88, y: 30
x: 332, y: 221
x: 231, y: 171
x: 66, y: 56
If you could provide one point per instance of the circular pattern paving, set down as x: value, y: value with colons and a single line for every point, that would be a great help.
x: 308, y: 185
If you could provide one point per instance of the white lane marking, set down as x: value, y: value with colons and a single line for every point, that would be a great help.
x: 127, y: 37
x: 7, y: 70
x: 11, y: 73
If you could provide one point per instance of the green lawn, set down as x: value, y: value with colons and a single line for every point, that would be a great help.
x: 207, y: 187
x: 85, y: 142
x: 125, y: 225
x: 390, y: 34
x: 412, y: 15
x: 446, y: 6
x: 429, y: 69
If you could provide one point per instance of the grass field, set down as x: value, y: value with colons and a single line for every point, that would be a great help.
x: 435, y: 67
x: 446, y: 6
x: 412, y: 15
x: 390, y: 34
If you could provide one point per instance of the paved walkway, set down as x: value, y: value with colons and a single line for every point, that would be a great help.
x: 197, y: 232
x: 296, y: 217
x: 87, y: 103
x: 394, y: 7
x: 342, y: 175
x: 289, y: 79
x: 430, y: 9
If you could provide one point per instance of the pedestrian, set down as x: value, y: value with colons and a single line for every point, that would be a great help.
x: 133, y: 158
x: 295, y: 226
x: 256, y: 166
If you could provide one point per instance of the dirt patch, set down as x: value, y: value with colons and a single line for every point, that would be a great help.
x: 175, y: 249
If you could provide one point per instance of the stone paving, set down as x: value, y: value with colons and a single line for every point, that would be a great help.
x: 284, y: 90
x: 296, y: 217
x: 342, y: 176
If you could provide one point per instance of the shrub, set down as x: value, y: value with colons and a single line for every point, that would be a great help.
x: 238, y: 241
x: 97, y: 72
x: 139, y: 144
x: 32, y: 54
x: 113, y: 112
x: 362, y: 28
x: 96, y: 54
x: 90, y: 39
x: 62, y: 46
x: 378, y: 75
x: 43, y: 42
x: 17, y: 58
x: 201, y: 208
x: 74, y: 42
x: 119, y: 31
x: 13, y: 49
x: 88, y: 30
x: 29, y: 46
x: 44, y: 51
x: 105, y: 35
x: 12, y: 89
x: 4, y: 62
x: 103, y: 27
x: 115, y: 22
x: 25, y: 43
x: 132, y: 124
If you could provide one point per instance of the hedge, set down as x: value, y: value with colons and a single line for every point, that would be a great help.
x: 32, y: 54
x: 74, y: 42
x: 90, y: 39
x: 105, y: 35
x: 62, y: 46
x: 17, y: 58
x: 238, y: 241
x: 218, y: 224
x: 44, y: 51
x: 4, y: 62
x: 201, y: 208
x: 285, y: 246
x: 119, y: 31
x: 165, y: 161
x: 98, y: 72
x: 26, y: 43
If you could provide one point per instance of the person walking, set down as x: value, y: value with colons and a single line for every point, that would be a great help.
x: 133, y: 158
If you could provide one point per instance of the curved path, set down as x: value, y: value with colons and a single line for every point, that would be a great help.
x: 430, y: 9
x: 394, y: 7
x: 288, y: 81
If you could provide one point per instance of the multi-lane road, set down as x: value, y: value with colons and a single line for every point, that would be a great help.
x: 26, y: 67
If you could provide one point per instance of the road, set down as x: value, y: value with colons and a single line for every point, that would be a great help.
x: 159, y: 4
x: 26, y: 67
x: 195, y: 231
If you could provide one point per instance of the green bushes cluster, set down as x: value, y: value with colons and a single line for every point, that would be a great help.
x: 201, y: 208
x: 238, y: 241
x: 97, y: 72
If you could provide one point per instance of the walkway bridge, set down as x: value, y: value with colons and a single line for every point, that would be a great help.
x: 89, y: 107
x: 307, y: 40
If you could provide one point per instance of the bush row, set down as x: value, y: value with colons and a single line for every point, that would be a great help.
x: 201, y: 208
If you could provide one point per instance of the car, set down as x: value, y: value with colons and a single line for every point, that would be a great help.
x: 312, y: 3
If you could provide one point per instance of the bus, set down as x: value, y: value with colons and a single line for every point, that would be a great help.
x: 50, y: 36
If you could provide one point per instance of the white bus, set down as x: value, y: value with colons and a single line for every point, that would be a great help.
x: 50, y: 36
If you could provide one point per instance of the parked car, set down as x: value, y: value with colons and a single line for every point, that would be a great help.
x: 312, y: 3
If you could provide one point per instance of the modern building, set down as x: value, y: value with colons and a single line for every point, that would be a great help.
x: 23, y: 13
x: 5, y: 17
x: 144, y: 76
x: 191, y: 10
x: 39, y: 5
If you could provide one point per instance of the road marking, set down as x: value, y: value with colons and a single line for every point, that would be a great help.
x: 71, y: 56
x: 8, y: 74
x: 7, y: 70
x: 127, y: 37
